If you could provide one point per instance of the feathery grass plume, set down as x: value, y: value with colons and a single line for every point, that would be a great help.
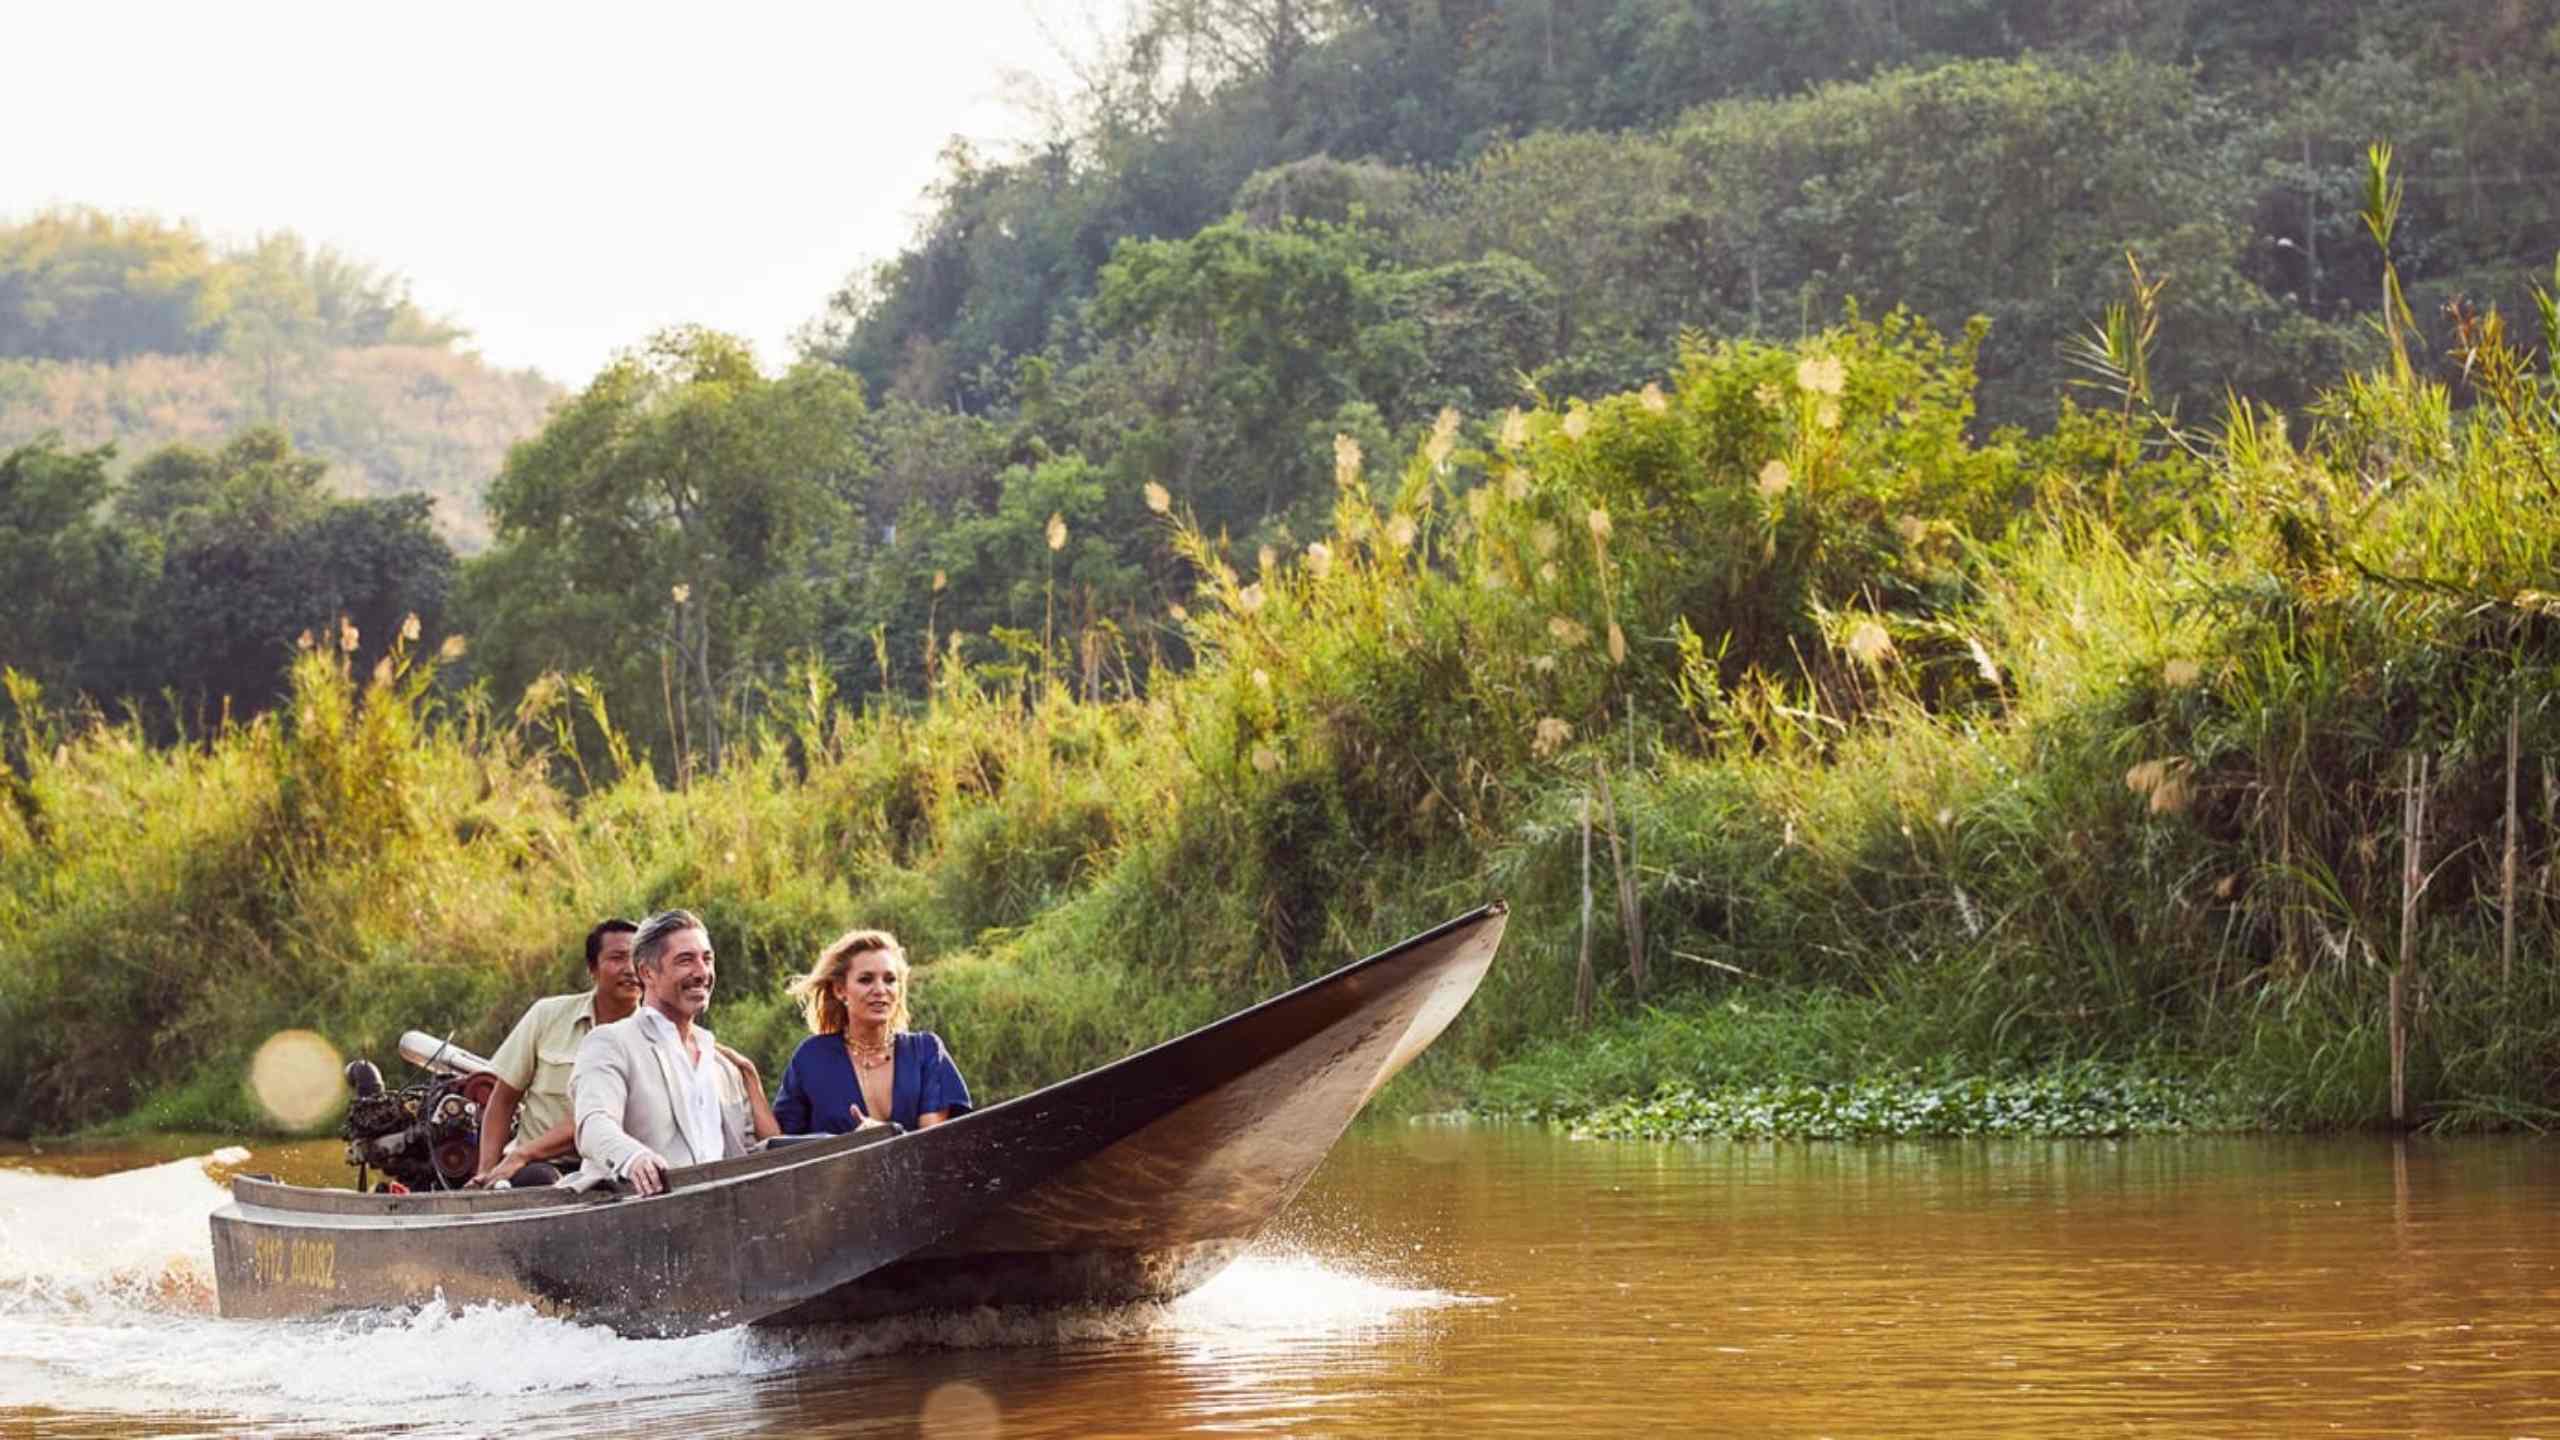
x: 2167, y: 784
x: 347, y: 636
x: 1982, y: 662
x: 941, y: 582
x: 1159, y: 499
x: 1261, y: 678
x: 1544, y: 538
x: 409, y: 629
x: 1265, y: 759
x: 1567, y: 630
x: 1775, y: 477
x: 1869, y: 642
x: 2180, y: 674
x: 1617, y: 644
x: 1444, y: 437
x: 1319, y: 559
x: 1400, y: 532
x: 1346, y: 462
x: 1178, y: 611
x: 1515, y: 484
x: 1822, y: 375
x: 1577, y: 422
x: 1249, y: 599
x: 1826, y: 416
x: 1479, y: 503
x: 1653, y: 399
x: 1767, y: 394
x: 1514, y: 432
x: 1599, y: 521
x: 1553, y: 734
x: 1547, y: 573
x: 1057, y: 530
x: 453, y: 648
x: 1265, y: 559
x: 304, y: 641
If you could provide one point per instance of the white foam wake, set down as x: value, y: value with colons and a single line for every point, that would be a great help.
x: 1297, y: 1293
x: 106, y: 1308
x: 1281, y: 1296
x: 136, y: 1239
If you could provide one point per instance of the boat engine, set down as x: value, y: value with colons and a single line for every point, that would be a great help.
x: 422, y: 1136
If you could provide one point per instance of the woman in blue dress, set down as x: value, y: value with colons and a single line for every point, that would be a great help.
x: 861, y: 1064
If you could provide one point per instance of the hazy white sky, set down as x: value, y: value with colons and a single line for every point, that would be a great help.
x: 559, y: 178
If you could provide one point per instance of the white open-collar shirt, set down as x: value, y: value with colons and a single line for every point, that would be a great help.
x: 698, y: 1108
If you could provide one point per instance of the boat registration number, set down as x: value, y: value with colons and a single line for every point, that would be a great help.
x: 278, y: 1261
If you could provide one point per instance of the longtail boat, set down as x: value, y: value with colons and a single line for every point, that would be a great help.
x: 1134, y: 1181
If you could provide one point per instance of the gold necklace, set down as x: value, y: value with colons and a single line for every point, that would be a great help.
x: 870, y: 1057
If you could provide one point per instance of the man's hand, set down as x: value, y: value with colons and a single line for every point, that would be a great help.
x: 647, y: 1174
x: 506, y: 1167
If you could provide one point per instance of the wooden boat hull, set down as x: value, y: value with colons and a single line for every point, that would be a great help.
x: 1137, y: 1180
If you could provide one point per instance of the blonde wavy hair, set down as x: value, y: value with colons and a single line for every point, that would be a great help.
x: 815, y: 992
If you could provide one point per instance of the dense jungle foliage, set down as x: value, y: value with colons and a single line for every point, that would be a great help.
x: 1707, y: 472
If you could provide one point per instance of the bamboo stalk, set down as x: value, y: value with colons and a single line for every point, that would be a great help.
x: 1630, y: 913
x: 1582, y: 979
x: 2413, y: 819
x: 2507, y: 871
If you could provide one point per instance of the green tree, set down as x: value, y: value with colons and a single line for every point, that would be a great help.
x: 73, y: 579
x: 258, y: 556
x: 673, y: 530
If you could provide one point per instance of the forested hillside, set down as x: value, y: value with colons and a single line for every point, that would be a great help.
x: 138, y: 332
x: 1276, y: 221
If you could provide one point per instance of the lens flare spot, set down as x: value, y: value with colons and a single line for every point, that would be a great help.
x: 295, y: 1077
x: 958, y: 1410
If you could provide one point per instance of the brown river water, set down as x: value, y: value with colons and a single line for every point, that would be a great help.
x: 1449, y: 1281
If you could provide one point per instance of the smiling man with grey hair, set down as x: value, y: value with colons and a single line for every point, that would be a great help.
x: 656, y: 1091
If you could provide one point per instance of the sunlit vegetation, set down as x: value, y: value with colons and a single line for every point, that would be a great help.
x: 1990, y: 759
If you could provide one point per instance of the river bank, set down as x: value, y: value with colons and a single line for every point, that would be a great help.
x: 1815, y: 740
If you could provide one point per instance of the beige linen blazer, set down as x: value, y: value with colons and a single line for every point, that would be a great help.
x: 623, y: 1092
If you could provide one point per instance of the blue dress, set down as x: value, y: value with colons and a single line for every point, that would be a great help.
x: 820, y: 1095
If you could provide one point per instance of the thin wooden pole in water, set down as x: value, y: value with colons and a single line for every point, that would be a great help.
x: 2507, y: 871
x: 1582, y: 984
x: 2413, y: 820
x: 1630, y: 913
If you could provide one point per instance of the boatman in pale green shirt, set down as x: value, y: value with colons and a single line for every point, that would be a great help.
x: 528, y: 1122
